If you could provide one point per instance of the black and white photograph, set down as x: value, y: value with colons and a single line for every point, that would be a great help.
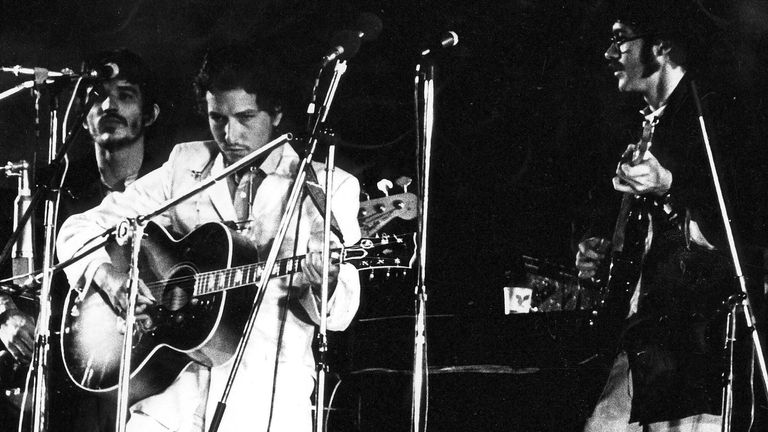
x: 383, y: 215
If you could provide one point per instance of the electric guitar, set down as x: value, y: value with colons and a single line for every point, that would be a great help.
x: 377, y: 212
x: 205, y: 286
x: 628, y: 246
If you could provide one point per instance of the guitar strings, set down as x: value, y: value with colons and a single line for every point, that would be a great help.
x: 224, y: 272
x: 158, y: 287
x: 228, y: 272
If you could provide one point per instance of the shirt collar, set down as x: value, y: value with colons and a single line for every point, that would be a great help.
x: 650, y: 114
x: 270, y: 165
x: 120, y: 185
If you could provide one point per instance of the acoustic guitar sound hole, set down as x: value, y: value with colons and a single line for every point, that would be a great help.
x: 179, y: 289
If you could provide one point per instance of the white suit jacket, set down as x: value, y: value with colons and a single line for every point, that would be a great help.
x: 249, y: 403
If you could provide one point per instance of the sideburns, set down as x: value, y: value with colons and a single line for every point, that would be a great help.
x: 650, y: 65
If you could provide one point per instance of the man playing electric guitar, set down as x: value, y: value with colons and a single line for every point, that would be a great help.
x: 244, y: 91
x: 667, y: 373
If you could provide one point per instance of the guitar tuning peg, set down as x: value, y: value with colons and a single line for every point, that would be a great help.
x: 384, y: 185
x: 404, y: 182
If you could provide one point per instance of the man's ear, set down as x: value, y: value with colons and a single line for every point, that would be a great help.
x: 277, y: 117
x: 671, y: 52
x: 151, y: 116
x: 661, y: 47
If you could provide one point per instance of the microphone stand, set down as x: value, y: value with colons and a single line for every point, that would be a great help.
x: 48, y: 182
x: 40, y: 359
x: 133, y: 231
x: 48, y: 190
x: 745, y: 303
x: 53, y: 193
x: 424, y: 93
x: 13, y: 90
x: 282, y: 229
x: 730, y: 348
x: 322, y: 334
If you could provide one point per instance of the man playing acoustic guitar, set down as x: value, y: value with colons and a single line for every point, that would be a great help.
x: 245, y: 93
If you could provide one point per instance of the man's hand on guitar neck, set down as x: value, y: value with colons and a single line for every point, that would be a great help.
x: 114, y: 284
x: 17, y: 330
x: 312, y: 270
x: 646, y: 176
x: 591, y: 253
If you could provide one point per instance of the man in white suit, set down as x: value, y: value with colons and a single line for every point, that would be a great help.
x: 244, y: 92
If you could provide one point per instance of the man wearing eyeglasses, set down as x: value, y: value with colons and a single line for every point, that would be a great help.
x: 666, y: 374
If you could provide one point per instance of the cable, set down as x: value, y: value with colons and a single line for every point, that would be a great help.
x: 330, y: 401
x: 752, y: 389
x: 27, y: 380
x: 426, y: 379
x: 69, y: 109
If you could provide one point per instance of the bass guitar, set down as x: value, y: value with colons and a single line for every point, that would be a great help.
x: 205, y: 286
x: 377, y: 212
x: 628, y: 247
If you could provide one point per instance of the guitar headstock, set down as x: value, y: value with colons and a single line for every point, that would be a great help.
x: 390, y: 251
x: 377, y: 212
x: 635, y: 154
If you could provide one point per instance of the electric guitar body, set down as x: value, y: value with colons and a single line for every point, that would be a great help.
x: 628, y: 251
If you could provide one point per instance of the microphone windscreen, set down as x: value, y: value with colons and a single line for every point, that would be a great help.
x: 348, y: 40
x: 369, y: 25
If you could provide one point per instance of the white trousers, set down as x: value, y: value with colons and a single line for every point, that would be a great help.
x: 612, y: 411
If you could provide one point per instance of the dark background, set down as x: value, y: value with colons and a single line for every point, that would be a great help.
x: 529, y: 119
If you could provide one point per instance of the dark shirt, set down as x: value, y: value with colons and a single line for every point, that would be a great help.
x: 70, y: 405
x: 674, y: 341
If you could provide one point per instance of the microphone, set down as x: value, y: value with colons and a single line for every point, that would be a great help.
x: 23, y: 261
x: 41, y: 74
x: 449, y: 39
x: 105, y: 71
x: 347, y: 42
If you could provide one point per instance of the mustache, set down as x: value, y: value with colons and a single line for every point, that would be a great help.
x: 113, y: 117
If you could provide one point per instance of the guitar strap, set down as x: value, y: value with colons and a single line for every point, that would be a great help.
x: 317, y: 195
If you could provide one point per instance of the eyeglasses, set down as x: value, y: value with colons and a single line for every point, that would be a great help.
x: 618, y: 40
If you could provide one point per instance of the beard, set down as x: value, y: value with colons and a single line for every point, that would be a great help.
x: 115, y: 137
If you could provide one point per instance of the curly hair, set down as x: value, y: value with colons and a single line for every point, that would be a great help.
x: 239, y: 65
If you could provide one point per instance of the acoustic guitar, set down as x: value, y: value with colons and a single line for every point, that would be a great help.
x: 205, y: 286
